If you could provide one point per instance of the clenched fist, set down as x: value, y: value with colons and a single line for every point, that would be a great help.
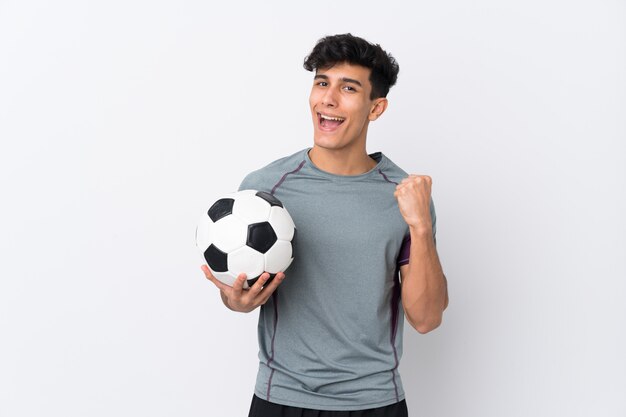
x: 413, y: 195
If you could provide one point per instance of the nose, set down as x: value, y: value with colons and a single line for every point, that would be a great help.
x: 329, y: 98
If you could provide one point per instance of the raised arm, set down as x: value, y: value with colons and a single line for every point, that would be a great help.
x: 424, y: 286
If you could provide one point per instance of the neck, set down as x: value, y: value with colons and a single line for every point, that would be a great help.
x: 341, y: 161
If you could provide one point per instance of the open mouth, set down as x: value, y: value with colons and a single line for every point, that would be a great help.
x: 329, y: 122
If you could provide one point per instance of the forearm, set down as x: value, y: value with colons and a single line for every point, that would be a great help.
x: 424, y: 286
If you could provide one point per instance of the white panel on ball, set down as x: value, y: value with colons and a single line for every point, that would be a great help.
x: 282, y: 223
x: 251, y: 209
x: 229, y: 233
x: 278, y: 258
x: 225, y: 277
x: 246, y: 260
x: 286, y: 266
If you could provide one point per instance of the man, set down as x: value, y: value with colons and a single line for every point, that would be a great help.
x: 330, y: 335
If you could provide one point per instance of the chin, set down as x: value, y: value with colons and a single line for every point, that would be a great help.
x: 328, y: 142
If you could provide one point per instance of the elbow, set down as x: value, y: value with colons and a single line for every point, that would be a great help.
x: 425, y: 319
x: 425, y: 325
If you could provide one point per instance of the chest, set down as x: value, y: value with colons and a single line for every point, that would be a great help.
x: 345, y: 220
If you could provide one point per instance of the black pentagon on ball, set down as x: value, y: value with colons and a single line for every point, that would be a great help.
x: 293, y: 242
x: 221, y: 208
x: 269, y: 198
x: 261, y: 236
x: 216, y: 259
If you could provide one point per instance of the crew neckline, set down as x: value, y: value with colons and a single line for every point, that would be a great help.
x: 376, y: 156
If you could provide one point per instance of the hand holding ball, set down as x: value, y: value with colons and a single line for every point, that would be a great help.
x: 247, y: 231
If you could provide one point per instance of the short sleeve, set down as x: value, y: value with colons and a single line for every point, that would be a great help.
x: 405, y: 250
x: 250, y: 182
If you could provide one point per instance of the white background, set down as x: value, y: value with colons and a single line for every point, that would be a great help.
x: 121, y: 120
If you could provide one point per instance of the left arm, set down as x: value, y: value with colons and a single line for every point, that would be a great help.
x: 424, y: 286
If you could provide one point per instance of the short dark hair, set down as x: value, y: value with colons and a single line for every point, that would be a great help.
x: 337, y: 49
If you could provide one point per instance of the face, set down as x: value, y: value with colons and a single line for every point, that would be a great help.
x: 341, y: 107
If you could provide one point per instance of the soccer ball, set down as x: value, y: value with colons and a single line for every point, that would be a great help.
x: 247, y: 231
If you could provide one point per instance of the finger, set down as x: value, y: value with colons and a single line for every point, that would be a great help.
x: 425, y: 178
x: 238, y: 285
x: 259, y: 284
x: 271, y: 287
x: 400, y: 191
x: 219, y: 284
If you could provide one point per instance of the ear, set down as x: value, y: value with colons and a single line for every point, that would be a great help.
x: 378, y: 108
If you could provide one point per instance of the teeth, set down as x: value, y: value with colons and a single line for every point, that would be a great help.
x: 337, y: 119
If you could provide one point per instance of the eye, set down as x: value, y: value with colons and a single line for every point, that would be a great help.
x: 349, y: 88
x: 322, y: 83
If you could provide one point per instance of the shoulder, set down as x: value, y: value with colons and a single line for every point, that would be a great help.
x: 264, y: 178
x: 390, y: 170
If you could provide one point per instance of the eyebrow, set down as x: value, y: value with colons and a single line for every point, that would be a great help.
x: 344, y: 79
